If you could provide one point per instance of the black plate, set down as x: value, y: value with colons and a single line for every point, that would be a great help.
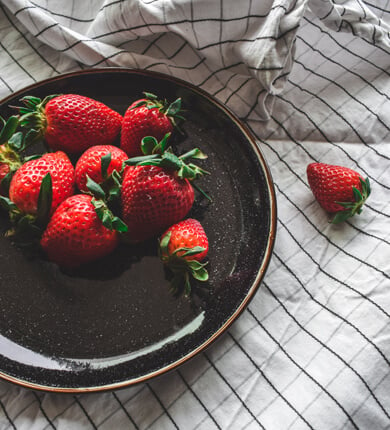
x: 115, y: 323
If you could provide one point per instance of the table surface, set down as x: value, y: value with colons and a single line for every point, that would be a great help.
x: 311, y: 81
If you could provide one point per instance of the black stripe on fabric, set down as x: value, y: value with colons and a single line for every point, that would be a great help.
x: 195, y: 21
x: 280, y: 347
x: 342, y: 117
x: 232, y: 389
x: 225, y: 86
x: 7, y: 416
x: 224, y: 399
x: 333, y: 277
x: 240, y: 87
x: 376, y: 7
x: 190, y: 21
x: 317, y: 127
x: 323, y: 345
x: 365, y: 233
x: 85, y: 412
x: 198, y: 399
x: 110, y: 4
x: 60, y: 413
x: 124, y: 410
x: 24, y: 409
x: 347, y: 24
x: 220, y: 33
x: 258, y: 368
x: 17, y: 62
x: 335, y: 314
x: 6, y: 84
x: 163, y: 406
x: 345, y: 48
x: 55, y: 24
x: 253, y: 107
x: 59, y: 14
x: 255, y: 39
x: 23, y: 9
x: 38, y: 399
x: 327, y: 14
x: 173, y: 66
x: 111, y: 414
x: 363, y: 10
x: 42, y: 57
x: 340, y: 86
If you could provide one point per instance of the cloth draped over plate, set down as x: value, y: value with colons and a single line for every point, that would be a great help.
x: 311, y: 80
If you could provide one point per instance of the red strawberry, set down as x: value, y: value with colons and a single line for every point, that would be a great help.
x: 98, y: 163
x: 338, y: 189
x: 26, y: 183
x: 187, y: 235
x: 182, y: 248
x: 75, y: 235
x: 156, y: 189
x: 71, y: 122
x: 152, y: 199
x: 147, y: 117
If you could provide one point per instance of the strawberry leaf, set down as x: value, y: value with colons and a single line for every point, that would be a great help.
x: 104, y: 164
x: 9, y: 128
x: 8, y: 204
x: 108, y: 219
x: 119, y: 225
x: 174, y: 108
x: 95, y: 189
x: 15, y: 142
x: 200, y: 274
x: 148, y: 144
x: 45, y: 198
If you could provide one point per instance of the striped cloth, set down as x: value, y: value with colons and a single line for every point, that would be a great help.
x: 311, y: 80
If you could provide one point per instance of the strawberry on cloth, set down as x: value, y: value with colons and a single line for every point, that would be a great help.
x: 339, y: 190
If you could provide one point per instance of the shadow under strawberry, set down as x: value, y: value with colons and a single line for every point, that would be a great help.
x: 115, y: 264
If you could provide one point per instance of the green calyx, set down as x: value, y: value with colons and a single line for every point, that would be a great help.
x: 11, y: 143
x: 171, y: 110
x: 105, y: 193
x: 27, y: 228
x: 108, y: 219
x: 182, y: 268
x: 33, y: 114
x: 355, y: 207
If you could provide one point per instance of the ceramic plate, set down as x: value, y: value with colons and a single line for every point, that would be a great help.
x: 115, y: 323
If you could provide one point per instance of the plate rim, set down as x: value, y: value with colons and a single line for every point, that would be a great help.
x: 268, y: 249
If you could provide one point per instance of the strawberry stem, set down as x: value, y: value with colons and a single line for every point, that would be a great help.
x: 355, y: 207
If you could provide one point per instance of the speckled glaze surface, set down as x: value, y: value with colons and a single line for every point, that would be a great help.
x: 115, y: 323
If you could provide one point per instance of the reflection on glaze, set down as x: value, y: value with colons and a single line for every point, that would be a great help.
x: 113, y: 361
x: 22, y: 355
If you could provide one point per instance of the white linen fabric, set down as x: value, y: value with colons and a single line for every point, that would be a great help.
x: 311, y: 80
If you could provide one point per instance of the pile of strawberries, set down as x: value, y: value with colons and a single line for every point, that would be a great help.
x: 78, y: 211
